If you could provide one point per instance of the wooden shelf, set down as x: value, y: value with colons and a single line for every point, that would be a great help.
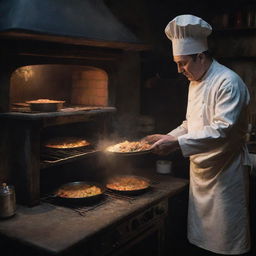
x: 56, y: 118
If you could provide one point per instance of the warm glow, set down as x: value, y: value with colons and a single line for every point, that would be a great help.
x: 24, y: 73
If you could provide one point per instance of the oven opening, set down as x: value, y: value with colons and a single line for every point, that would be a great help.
x: 66, y: 143
x: 80, y: 87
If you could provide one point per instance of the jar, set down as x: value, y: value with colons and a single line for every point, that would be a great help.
x: 7, y: 201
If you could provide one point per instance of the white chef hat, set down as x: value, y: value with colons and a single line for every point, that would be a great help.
x: 188, y: 34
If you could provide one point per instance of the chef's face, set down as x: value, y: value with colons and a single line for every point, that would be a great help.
x: 191, y: 66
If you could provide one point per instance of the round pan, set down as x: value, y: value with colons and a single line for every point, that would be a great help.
x: 76, y: 185
x: 54, y: 148
x: 133, y: 153
x: 131, y: 148
x: 129, y: 192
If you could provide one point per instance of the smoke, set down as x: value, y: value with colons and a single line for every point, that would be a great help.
x: 125, y: 127
x: 115, y: 163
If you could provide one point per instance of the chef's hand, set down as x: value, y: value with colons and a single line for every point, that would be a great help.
x: 151, y: 139
x: 163, y: 144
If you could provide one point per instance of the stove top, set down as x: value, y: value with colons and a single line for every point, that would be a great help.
x: 83, y: 208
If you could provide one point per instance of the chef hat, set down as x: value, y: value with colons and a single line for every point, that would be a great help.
x: 188, y: 34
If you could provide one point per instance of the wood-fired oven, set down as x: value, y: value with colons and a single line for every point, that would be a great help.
x: 73, y: 57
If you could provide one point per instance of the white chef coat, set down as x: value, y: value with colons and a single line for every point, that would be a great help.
x: 213, y: 137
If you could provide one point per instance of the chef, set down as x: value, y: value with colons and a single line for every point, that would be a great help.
x: 212, y: 136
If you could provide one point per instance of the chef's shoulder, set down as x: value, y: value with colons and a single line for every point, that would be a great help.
x: 229, y: 78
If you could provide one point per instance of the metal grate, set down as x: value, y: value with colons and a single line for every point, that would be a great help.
x: 119, y: 196
x: 54, y: 156
x: 82, y: 209
x: 107, y: 197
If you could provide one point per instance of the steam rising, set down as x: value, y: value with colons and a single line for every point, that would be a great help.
x: 125, y: 128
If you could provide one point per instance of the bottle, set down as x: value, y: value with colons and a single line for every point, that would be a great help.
x: 248, y: 133
x: 249, y: 16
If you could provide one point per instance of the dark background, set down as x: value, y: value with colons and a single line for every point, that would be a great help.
x: 164, y: 92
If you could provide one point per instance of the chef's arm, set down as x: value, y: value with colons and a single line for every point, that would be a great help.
x: 164, y: 144
x: 180, y: 130
x: 230, y: 101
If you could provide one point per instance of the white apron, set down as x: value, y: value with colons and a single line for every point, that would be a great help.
x: 212, y: 136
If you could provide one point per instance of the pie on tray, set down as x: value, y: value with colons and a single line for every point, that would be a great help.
x: 63, y: 143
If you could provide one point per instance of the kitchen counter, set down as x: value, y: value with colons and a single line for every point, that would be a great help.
x: 53, y: 229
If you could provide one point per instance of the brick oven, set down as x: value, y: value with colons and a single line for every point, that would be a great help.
x: 77, y: 52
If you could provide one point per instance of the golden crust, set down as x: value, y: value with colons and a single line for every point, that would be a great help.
x: 129, y: 183
x: 79, y: 191
x: 69, y: 142
x: 45, y: 101
x: 127, y: 146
